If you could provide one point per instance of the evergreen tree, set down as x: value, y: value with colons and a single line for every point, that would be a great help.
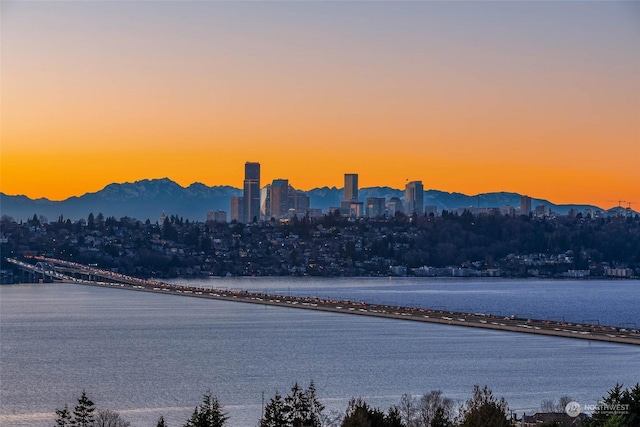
x: 301, y: 408
x: 83, y: 412
x: 297, y: 406
x: 161, y: 422
x: 276, y: 413
x: 208, y: 414
x: 359, y: 414
x: 194, y: 421
x: 621, y: 408
x: 483, y: 410
x: 315, y: 407
x: 63, y: 417
x: 440, y: 419
x: 393, y: 418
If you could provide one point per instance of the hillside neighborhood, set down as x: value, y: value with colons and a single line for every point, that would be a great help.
x: 451, y: 244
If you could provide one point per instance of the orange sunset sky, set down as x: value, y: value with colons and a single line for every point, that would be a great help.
x: 539, y: 98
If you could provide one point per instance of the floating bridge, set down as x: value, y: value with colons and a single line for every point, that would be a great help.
x: 51, y: 269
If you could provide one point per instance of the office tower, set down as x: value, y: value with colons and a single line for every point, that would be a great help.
x: 349, y: 205
x: 540, y: 211
x: 237, y: 209
x: 217, y: 216
x: 375, y: 207
x: 251, y: 193
x: 525, y: 205
x: 350, y: 187
x: 265, y: 202
x: 279, y: 198
x: 394, y: 205
x: 301, y: 203
x: 414, y: 198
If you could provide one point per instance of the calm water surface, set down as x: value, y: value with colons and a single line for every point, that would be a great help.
x: 598, y: 301
x: 146, y: 354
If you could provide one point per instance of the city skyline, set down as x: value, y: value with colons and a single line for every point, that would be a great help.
x: 538, y: 98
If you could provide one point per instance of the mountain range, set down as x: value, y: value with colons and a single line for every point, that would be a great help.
x: 148, y: 199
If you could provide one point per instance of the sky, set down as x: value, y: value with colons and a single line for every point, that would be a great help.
x: 538, y: 98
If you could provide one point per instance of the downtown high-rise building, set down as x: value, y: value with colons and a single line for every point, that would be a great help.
x: 350, y: 187
x: 281, y: 201
x: 414, y: 197
x: 265, y: 202
x: 394, y: 205
x: 280, y: 198
x: 375, y: 207
x: 237, y: 208
x: 525, y: 205
x: 251, y: 194
x: 217, y: 216
x: 350, y: 205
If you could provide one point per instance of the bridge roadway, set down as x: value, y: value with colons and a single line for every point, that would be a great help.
x: 475, y: 320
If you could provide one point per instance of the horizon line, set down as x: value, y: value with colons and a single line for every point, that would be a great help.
x: 311, y: 189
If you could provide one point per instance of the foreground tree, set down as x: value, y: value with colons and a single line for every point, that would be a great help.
x: 83, y: 412
x: 553, y: 406
x: 208, y: 414
x: 161, y: 422
x: 63, y: 417
x: 408, y: 409
x: 484, y: 410
x: 441, y: 419
x: 108, y: 418
x: 301, y: 408
x: 360, y: 414
x: 431, y: 410
x: 435, y: 409
x: 621, y: 408
x: 275, y: 413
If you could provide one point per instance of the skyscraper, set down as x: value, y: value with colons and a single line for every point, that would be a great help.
x: 375, y: 206
x: 350, y: 187
x: 394, y: 205
x: 525, y: 205
x: 251, y: 193
x: 279, y: 198
x: 301, y: 202
x: 350, y: 206
x: 237, y: 208
x: 414, y: 198
x: 265, y: 202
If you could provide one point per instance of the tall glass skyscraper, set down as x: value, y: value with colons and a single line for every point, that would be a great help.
x: 350, y: 206
x: 414, y: 198
x: 251, y: 195
x: 279, y: 198
x: 350, y: 187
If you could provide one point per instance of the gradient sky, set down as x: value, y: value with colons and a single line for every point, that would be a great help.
x: 539, y: 98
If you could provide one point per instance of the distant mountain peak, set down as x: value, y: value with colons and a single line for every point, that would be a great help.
x: 148, y: 198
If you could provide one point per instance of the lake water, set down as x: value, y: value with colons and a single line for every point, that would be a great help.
x: 606, y: 302
x: 144, y: 355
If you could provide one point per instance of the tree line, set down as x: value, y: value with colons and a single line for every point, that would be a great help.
x: 362, y: 247
x: 302, y: 408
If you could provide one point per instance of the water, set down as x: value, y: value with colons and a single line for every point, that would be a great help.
x: 606, y: 302
x: 144, y: 355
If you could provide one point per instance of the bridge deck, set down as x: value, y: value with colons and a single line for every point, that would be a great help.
x: 475, y: 320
